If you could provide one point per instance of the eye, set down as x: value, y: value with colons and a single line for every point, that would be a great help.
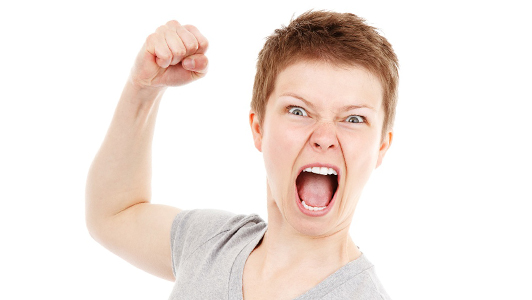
x: 355, y: 119
x: 298, y: 111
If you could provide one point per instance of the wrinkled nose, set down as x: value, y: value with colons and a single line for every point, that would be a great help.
x: 324, y: 138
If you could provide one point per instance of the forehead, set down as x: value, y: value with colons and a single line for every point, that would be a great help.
x: 328, y: 86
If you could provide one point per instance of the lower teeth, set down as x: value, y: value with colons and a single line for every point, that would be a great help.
x: 312, y: 208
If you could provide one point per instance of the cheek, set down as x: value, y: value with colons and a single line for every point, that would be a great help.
x: 361, y: 154
x: 281, y: 146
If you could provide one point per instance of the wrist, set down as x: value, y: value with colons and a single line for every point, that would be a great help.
x: 143, y: 88
x: 140, y: 94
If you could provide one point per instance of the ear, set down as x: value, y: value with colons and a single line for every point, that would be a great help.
x: 385, y: 145
x: 256, y: 130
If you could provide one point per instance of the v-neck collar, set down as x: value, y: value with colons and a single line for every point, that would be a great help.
x: 341, y: 275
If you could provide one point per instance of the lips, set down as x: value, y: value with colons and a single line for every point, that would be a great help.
x: 316, y: 187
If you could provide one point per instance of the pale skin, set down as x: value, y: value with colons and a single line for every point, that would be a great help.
x: 310, y: 118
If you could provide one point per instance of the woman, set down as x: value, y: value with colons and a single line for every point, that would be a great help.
x: 322, y: 114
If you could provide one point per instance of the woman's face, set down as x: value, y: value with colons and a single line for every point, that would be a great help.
x: 320, y: 120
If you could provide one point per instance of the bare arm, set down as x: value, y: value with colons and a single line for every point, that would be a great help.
x: 119, y: 214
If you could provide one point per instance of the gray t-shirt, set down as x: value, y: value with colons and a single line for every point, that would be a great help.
x: 210, y: 248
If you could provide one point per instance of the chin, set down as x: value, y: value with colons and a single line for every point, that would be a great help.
x: 313, y: 228
x: 338, y: 218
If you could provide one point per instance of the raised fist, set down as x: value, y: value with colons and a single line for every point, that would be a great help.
x: 171, y: 56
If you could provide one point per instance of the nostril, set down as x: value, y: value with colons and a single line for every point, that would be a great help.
x: 319, y: 146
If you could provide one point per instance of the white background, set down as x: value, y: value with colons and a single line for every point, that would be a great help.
x: 447, y: 215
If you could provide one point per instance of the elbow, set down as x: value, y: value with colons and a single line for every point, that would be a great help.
x: 92, y: 224
x: 94, y: 220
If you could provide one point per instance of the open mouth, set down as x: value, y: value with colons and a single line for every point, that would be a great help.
x: 316, y: 187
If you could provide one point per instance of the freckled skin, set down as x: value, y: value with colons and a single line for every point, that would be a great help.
x: 289, y: 141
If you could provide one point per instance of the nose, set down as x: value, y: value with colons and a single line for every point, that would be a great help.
x: 324, y: 138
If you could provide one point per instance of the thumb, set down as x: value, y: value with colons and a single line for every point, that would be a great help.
x: 195, y: 63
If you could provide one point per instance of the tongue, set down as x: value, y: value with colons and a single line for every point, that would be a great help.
x: 316, y: 190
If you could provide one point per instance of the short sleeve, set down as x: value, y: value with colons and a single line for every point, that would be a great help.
x: 193, y: 228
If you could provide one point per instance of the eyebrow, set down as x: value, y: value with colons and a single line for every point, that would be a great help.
x: 344, y: 108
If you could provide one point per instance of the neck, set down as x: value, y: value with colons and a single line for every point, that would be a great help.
x: 283, y: 248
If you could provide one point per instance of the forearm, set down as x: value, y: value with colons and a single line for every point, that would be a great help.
x: 120, y: 175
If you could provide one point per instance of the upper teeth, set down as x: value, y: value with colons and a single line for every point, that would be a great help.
x: 321, y: 170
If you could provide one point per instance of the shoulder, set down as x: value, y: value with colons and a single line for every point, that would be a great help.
x: 368, y: 286
x: 210, y: 222
x: 206, y: 231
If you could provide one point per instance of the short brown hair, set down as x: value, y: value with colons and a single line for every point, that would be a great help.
x: 338, y: 38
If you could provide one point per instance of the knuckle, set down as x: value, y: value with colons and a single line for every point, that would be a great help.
x: 160, y: 29
x: 151, y: 38
x: 205, y: 44
x: 165, y: 56
x: 172, y: 23
x: 180, y: 52
x: 192, y: 46
x: 190, y: 27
